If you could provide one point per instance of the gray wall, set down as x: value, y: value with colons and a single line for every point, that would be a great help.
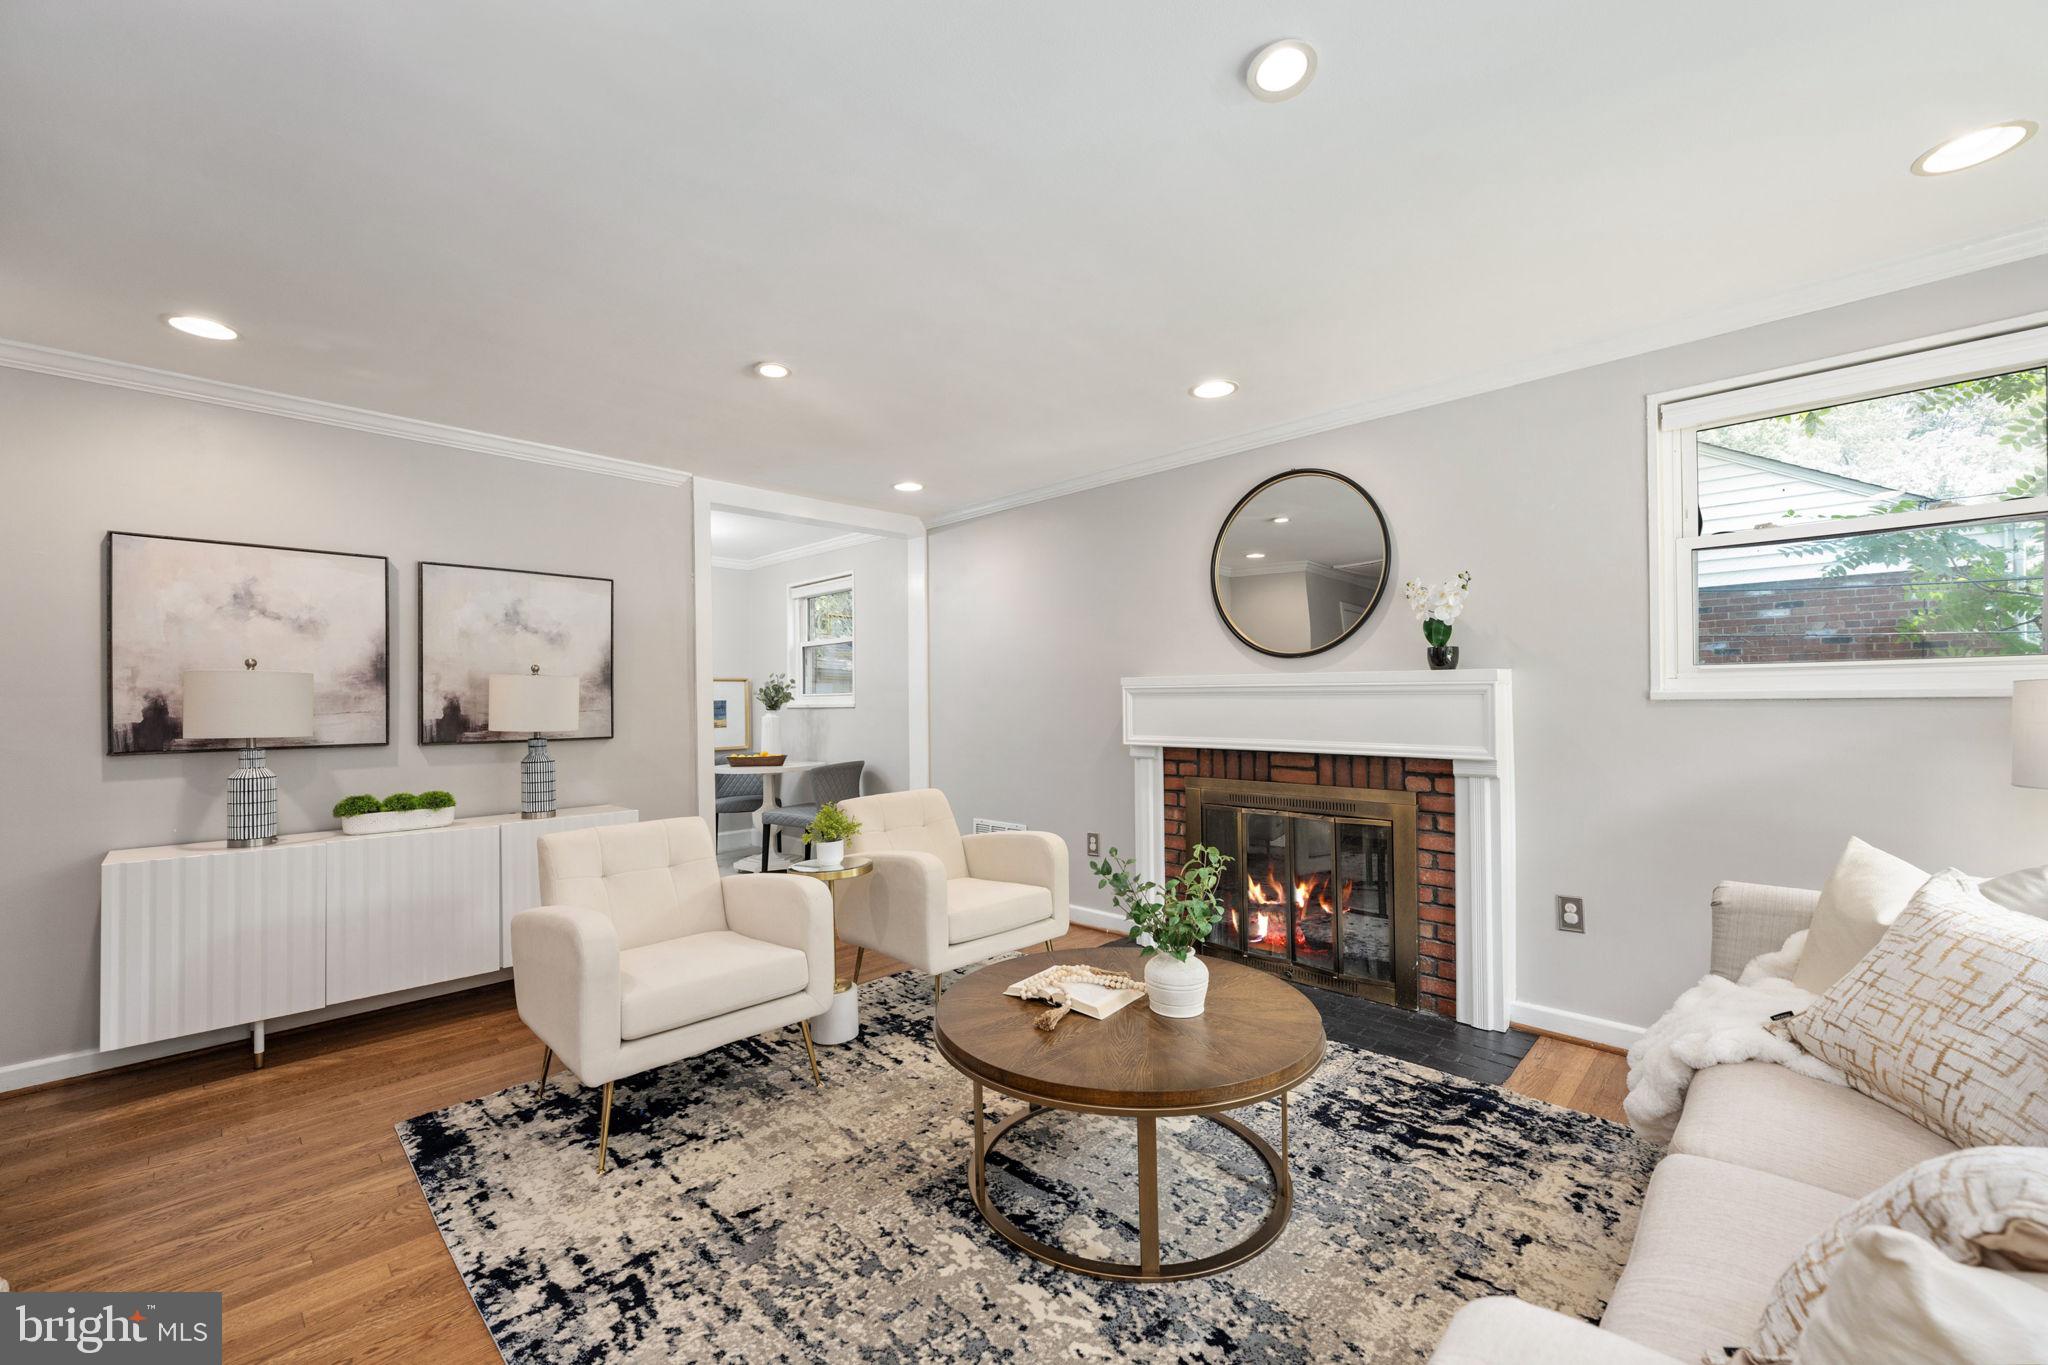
x: 1539, y: 490
x: 750, y: 639
x: 83, y: 459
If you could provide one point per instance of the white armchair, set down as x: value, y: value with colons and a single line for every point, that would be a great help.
x: 643, y: 955
x: 938, y: 901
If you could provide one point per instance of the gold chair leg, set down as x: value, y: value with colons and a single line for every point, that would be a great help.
x: 811, y: 1052
x: 547, y: 1059
x: 1284, y: 1149
x: 858, y: 954
x: 1048, y: 945
x: 935, y: 992
x: 604, y: 1129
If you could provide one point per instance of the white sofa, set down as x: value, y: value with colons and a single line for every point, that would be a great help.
x: 1762, y: 1161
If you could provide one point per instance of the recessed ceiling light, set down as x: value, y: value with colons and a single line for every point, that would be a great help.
x: 1255, y: 554
x: 1280, y: 71
x: 202, y: 327
x: 772, y: 369
x: 1214, y: 388
x: 1974, y: 149
x: 1279, y: 521
x: 910, y: 486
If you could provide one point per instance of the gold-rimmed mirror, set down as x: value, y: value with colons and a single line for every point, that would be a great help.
x: 1299, y: 563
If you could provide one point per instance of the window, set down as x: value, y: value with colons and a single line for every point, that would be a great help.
x: 1872, y: 527
x: 821, y: 641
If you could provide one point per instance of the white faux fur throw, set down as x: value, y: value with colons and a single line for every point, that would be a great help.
x: 1717, y: 1021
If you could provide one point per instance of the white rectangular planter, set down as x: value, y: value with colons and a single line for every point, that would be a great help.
x: 395, y: 821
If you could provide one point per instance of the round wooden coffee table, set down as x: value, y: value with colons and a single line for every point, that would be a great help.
x: 1257, y: 1039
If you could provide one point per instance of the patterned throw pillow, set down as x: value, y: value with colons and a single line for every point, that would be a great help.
x: 1946, y: 1019
x: 1986, y: 1206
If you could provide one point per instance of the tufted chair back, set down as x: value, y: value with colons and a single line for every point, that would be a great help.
x: 917, y: 822
x: 657, y: 880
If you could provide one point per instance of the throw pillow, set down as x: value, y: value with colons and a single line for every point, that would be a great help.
x: 2025, y: 891
x: 1896, y: 1300
x: 1864, y: 894
x: 1946, y: 1020
x: 1983, y: 1206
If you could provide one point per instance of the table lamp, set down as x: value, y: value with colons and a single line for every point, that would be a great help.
x: 2030, y: 732
x: 247, y: 705
x: 533, y: 701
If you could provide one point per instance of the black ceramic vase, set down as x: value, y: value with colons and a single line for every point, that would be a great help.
x: 1443, y: 656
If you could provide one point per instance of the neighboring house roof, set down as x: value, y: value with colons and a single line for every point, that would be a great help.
x: 1740, y: 490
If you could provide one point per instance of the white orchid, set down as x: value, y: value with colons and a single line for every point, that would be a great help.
x: 1438, y: 605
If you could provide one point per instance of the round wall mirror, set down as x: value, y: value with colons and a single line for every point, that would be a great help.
x: 1299, y: 563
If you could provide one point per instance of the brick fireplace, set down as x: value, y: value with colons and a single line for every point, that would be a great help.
x: 1357, y: 891
x: 1443, y: 741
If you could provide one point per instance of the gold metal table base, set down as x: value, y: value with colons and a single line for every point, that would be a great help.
x: 1148, y: 1268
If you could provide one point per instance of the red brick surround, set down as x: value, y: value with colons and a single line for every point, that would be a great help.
x: 1435, y: 834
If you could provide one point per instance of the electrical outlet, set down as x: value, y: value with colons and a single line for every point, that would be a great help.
x: 1095, y: 845
x: 1571, y: 914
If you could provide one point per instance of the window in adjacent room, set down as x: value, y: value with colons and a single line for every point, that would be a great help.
x: 1871, y: 527
x: 821, y: 641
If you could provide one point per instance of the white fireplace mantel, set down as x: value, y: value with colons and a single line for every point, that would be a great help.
x: 1465, y: 715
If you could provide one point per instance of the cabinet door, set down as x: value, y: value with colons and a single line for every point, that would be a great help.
x: 519, y: 865
x: 198, y: 941
x: 411, y: 909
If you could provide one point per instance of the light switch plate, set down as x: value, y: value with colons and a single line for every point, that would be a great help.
x: 1571, y: 914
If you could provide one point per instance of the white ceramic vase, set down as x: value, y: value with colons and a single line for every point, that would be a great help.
x: 771, y: 733
x: 1175, y: 989
x: 829, y: 855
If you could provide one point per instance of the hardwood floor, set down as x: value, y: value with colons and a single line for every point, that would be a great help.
x: 286, y: 1190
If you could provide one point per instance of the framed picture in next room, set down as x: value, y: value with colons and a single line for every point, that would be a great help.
x: 732, y: 715
x: 476, y: 621
x: 176, y: 605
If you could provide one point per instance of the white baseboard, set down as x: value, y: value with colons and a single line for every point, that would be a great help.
x: 1098, y: 919
x: 65, y: 1065
x: 1589, y: 1027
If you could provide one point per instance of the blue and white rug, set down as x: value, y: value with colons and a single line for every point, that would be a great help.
x: 751, y: 1217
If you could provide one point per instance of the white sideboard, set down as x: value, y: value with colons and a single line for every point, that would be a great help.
x: 195, y: 937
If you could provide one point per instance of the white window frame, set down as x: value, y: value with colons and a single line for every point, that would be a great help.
x: 800, y: 595
x: 1674, y: 419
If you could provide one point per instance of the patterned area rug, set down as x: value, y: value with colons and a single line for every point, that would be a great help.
x: 750, y: 1217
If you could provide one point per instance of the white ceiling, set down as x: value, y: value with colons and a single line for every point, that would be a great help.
x: 739, y: 538
x: 996, y: 242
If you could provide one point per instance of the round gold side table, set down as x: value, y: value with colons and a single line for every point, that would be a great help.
x: 840, y: 1024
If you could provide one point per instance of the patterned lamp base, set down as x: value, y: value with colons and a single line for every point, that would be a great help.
x: 536, y: 781
x: 252, y: 803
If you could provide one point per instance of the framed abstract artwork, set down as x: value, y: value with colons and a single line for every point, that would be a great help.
x: 176, y: 604
x: 732, y: 715
x: 477, y: 621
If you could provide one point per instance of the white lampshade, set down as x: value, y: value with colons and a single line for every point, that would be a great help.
x: 247, y: 703
x: 2030, y: 732
x: 533, y: 703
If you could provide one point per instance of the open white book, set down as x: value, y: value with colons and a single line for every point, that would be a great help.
x: 1085, y: 997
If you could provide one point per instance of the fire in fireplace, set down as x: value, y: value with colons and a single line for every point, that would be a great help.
x: 1321, y: 883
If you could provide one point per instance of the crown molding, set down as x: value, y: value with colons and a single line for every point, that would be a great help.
x: 20, y: 355
x: 816, y: 547
x: 1905, y: 273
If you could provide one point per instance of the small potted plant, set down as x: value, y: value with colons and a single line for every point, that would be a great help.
x: 1438, y: 608
x: 365, y: 814
x: 828, y: 832
x: 1168, y: 922
x: 773, y: 695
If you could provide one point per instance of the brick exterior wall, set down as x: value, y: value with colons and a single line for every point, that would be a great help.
x: 1814, y: 620
x: 1435, y: 835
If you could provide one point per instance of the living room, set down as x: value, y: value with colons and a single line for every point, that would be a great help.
x: 595, y: 589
